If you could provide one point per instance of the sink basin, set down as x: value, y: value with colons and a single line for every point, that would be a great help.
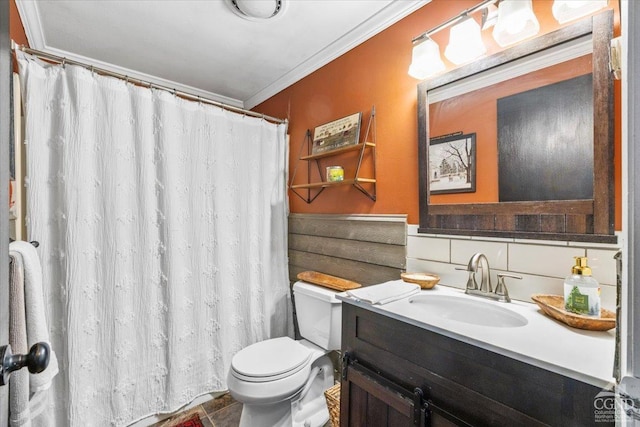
x: 469, y: 310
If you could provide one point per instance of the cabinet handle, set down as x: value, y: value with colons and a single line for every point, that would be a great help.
x: 431, y: 408
x: 418, y: 399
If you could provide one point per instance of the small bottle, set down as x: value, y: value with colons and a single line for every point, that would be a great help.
x: 581, y: 291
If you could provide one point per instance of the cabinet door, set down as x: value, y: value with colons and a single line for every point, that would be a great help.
x: 367, y: 399
x: 438, y: 417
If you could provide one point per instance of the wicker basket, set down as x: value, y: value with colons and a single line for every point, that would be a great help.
x: 333, y: 403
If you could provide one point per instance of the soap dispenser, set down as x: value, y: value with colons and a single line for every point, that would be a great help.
x: 581, y: 291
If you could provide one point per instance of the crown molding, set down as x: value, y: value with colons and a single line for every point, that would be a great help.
x: 170, y: 84
x: 386, y: 17
x: 28, y: 11
x: 382, y: 20
x: 30, y: 16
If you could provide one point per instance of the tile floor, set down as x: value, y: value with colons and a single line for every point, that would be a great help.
x: 223, y: 411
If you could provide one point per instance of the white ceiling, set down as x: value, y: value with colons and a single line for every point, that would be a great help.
x: 201, y: 46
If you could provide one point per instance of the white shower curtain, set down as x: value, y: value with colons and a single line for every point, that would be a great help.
x: 162, y: 225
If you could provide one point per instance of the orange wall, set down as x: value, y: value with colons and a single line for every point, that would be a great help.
x: 375, y: 73
x: 480, y: 112
x: 16, y: 30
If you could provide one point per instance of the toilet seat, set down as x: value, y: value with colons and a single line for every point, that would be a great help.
x: 270, y: 360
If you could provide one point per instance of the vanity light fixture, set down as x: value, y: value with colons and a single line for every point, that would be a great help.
x: 516, y: 22
x: 489, y: 16
x: 568, y: 10
x: 465, y: 42
x: 425, y: 59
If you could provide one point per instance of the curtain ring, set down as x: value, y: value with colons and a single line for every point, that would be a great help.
x: 64, y: 62
x: 126, y: 79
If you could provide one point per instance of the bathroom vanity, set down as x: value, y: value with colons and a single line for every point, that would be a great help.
x: 405, y: 363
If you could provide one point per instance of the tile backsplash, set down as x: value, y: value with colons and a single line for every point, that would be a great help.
x: 543, y: 265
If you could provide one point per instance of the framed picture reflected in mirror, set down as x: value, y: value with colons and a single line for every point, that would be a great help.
x: 452, y: 164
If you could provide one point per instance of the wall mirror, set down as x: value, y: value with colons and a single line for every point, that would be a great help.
x: 541, y: 156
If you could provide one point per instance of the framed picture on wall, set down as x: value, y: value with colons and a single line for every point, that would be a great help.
x: 337, y: 134
x: 452, y: 164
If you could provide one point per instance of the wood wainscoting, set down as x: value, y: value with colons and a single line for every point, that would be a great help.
x: 367, y: 249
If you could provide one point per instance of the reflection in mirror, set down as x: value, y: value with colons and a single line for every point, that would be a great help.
x: 534, y: 127
x: 542, y: 115
x: 545, y: 142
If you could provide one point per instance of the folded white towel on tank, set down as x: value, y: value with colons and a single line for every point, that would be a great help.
x: 384, y: 292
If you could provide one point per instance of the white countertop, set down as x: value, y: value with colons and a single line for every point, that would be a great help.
x: 544, y: 342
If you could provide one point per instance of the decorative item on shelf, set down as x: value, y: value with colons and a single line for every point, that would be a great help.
x: 425, y: 280
x: 335, y: 173
x: 337, y: 134
x: 553, y: 306
x: 340, y: 137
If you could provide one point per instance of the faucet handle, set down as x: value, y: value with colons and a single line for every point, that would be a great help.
x: 501, y: 289
x: 514, y: 276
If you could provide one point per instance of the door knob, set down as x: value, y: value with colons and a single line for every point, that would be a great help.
x: 36, y: 360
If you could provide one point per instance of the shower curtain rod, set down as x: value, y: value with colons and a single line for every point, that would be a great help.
x: 62, y: 60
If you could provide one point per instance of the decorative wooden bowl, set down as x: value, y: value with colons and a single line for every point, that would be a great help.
x: 328, y: 281
x: 425, y: 280
x: 553, y: 306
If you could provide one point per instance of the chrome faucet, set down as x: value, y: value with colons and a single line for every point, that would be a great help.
x: 485, y: 289
x: 479, y: 260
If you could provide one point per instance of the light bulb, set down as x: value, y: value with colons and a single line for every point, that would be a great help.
x: 516, y: 22
x: 568, y: 10
x: 465, y: 42
x: 425, y: 60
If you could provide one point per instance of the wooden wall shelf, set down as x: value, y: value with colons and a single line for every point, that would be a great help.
x: 335, y: 183
x: 313, y: 188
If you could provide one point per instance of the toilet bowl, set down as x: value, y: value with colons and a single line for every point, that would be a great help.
x: 281, y: 381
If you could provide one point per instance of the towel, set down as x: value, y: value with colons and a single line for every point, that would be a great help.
x: 384, y: 292
x: 19, y: 380
x: 30, y: 323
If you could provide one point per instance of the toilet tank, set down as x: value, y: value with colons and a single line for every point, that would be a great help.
x: 319, y: 315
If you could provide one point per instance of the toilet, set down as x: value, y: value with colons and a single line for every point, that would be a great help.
x: 281, y: 381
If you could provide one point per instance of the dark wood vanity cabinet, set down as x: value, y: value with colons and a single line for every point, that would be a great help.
x: 389, y: 363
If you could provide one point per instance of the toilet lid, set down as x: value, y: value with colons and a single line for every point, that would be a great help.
x: 271, y: 359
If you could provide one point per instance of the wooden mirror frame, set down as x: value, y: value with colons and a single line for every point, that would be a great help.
x: 576, y: 220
